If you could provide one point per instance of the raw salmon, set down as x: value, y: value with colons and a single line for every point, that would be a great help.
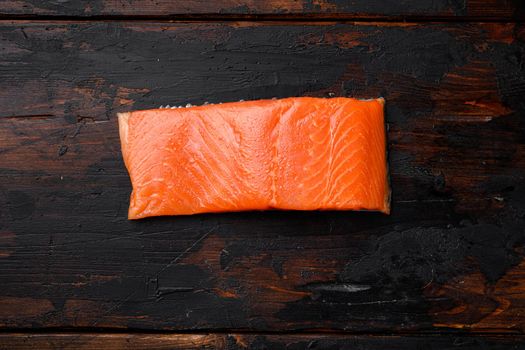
x: 292, y: 154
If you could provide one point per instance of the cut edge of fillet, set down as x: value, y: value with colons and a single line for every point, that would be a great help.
x: 388, y: 194
x: 123, y: 128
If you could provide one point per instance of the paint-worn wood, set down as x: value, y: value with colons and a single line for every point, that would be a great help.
x: 496, y: 9
x: 450, y: 257
x: 121, y: 341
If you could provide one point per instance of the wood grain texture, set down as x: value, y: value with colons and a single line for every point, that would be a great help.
x: 121, y: 341
x: 450, y: 257
x: 495, y: 9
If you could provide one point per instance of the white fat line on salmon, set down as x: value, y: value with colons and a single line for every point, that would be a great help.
x: 206, y: 103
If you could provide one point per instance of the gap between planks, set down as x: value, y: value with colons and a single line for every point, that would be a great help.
x: 310, y: 17
x: 213, y: 331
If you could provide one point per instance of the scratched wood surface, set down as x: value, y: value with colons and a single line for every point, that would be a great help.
x: 95, y: 341
x: 445, y: 270
x: 450, y: 257
x: 495, y: 9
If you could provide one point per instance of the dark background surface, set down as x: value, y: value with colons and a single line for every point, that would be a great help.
x: 445, y: 270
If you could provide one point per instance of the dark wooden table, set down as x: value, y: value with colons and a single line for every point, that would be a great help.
x: 445, y: 270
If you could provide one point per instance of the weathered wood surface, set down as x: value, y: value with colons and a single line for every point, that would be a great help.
x: 449, y: 257
x: 494, y: 9
x: 95, y: 341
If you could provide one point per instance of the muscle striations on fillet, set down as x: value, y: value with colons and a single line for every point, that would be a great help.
x: 292, y: 154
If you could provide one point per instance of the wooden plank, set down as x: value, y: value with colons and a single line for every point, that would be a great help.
x: 493, y: 9
x: 86, y: 341
x: 449, y: 257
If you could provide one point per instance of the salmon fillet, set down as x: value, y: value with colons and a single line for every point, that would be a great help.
x: 292, y: 154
